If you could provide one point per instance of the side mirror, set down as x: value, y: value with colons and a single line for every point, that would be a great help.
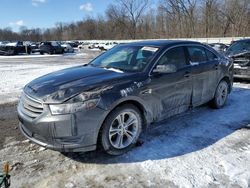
x: 165, y: 68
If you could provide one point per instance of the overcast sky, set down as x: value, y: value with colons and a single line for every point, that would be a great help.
x: 45, y: 13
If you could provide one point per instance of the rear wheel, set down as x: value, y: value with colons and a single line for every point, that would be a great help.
x: 121, y: 130
x: 221, y: 95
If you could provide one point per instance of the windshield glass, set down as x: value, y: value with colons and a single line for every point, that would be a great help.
x: 238, y: 47
x: 126, y: 58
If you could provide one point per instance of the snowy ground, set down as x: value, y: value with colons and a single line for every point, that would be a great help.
x: 201, y: 148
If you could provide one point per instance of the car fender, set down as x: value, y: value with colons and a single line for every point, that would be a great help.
x: 147, y: 115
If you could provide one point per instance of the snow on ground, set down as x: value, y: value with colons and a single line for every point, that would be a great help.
x: 200, y: 148
x: 17, y: 71
x: 29, y: 56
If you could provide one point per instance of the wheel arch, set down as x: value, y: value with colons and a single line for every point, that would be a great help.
x: 227, y: 79
x: 133, y: 102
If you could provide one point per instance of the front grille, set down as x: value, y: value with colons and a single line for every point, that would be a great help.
x: 242, y: 61
x: 30, y: 106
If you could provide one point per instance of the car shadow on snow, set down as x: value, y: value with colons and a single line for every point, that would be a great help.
x: 183, y: 134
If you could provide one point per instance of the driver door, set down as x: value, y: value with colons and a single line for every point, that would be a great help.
x: 172, y: 91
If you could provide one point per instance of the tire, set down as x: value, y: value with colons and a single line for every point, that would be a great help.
x: 41, y: 53
x: 118, y: 138
x: 221, y: 95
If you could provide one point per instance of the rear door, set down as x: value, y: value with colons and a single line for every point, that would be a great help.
x: 171, y: 92
x: 204, y: 72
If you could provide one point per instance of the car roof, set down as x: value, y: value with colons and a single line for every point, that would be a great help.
x: 161, y: 43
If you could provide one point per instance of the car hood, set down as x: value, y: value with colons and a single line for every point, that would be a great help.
x: 59, y: 86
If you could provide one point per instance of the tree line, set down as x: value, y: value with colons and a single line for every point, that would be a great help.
x: 143, y: 19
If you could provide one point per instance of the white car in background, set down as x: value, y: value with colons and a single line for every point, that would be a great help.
x: 108, y: 45
x: 67, y: 48
x: 83, y: 45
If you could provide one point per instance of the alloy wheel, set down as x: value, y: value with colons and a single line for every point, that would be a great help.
x: 123, y: 130
x: 222, y: 93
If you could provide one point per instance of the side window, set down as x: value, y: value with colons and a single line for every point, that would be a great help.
x: 197, y: 54
x: 54, y: 43
x: 210, y: 55
x: 175, y: 56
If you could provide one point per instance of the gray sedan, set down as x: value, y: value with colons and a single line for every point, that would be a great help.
x: 131, y: 87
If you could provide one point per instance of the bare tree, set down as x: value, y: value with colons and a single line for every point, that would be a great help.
x: 117, y: 20
x: 128, y: 19
x: 209, y: 17
x: 132, y: 11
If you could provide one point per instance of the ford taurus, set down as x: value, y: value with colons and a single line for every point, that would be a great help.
x: 111, y: 100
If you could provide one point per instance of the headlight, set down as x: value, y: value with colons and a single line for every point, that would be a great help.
x: 68, y: 108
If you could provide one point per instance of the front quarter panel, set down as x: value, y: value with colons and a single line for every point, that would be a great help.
x: 126, y: 91
x: 226, y: 70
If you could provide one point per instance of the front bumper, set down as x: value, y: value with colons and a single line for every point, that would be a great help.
x: 76, y: 132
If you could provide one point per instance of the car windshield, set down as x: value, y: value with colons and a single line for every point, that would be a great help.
x: 126, y: 58
x: 238, y: 47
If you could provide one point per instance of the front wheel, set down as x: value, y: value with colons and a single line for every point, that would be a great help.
x: 121, y: 130
x: 221, y: 95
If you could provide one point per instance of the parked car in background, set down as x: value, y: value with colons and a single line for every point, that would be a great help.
x: 35, y: 47
x: 73, y: 44
x: 107, y: 45
x: 120, y: 93
x: 93, y: 46
x: 239, y: 51
x: 99, y: 45
x: 83, y: 45
x: 67, y: 48
x: 219, y: 47
x: 2, y: 47
x: 51, y: 47
x: 14, y: 48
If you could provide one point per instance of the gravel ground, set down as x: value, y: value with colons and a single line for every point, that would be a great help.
x: 200, y: 148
